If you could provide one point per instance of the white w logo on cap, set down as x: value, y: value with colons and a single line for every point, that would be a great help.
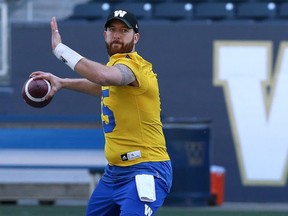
x: 120, y: 13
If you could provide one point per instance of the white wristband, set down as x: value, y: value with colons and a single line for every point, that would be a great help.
x: 67, y: 55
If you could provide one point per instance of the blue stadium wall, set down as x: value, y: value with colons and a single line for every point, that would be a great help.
x: 183, y: 56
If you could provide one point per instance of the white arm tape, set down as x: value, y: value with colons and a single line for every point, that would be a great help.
x: 67, y: 55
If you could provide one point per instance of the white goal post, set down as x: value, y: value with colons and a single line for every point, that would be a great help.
x: 4, y: 39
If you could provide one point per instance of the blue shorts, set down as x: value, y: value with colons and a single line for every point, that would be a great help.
x: 116, y: 194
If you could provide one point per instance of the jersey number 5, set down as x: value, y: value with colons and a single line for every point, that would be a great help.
x: 108, y: 127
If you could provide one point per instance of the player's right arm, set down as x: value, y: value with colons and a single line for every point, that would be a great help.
x: 81, y: 85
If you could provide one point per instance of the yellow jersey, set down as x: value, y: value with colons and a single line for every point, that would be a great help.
x: 131, y: 116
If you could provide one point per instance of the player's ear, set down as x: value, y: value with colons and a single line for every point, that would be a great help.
x: 136, y: 37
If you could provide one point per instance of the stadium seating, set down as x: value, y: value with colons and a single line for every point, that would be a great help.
x: 142, y: 9
x: 214, y: 10
x: 91, y: 11
x: 283, y: 10
x: 173, y: 10
x: 256, y: 10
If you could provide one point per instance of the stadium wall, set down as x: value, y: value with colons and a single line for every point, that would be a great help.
x: 232, y: 73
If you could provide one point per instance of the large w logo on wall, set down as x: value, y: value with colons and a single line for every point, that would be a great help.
x: 256, y: 94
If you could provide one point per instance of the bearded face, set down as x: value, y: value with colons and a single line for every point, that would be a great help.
x: 116, y: 46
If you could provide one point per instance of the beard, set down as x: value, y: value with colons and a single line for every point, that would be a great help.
x: 119, y: 48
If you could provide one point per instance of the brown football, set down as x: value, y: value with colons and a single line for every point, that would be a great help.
x: 34, y: 92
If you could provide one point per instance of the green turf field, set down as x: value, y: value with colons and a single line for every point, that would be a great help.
x: 164, y: 211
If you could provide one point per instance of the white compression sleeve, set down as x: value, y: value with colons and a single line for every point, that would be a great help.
x: 67, y: 55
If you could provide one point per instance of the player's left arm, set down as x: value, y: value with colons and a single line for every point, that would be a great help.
x: 103, y: 75
x: 93, y: 71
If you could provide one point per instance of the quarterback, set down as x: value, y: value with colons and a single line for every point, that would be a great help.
x: 138, y: 175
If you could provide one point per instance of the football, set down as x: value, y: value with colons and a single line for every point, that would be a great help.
x: 34, y: 92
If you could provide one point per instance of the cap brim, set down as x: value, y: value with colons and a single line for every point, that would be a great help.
x: 118, y: 18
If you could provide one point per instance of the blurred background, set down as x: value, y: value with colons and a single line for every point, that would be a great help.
x: 222, y: 71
